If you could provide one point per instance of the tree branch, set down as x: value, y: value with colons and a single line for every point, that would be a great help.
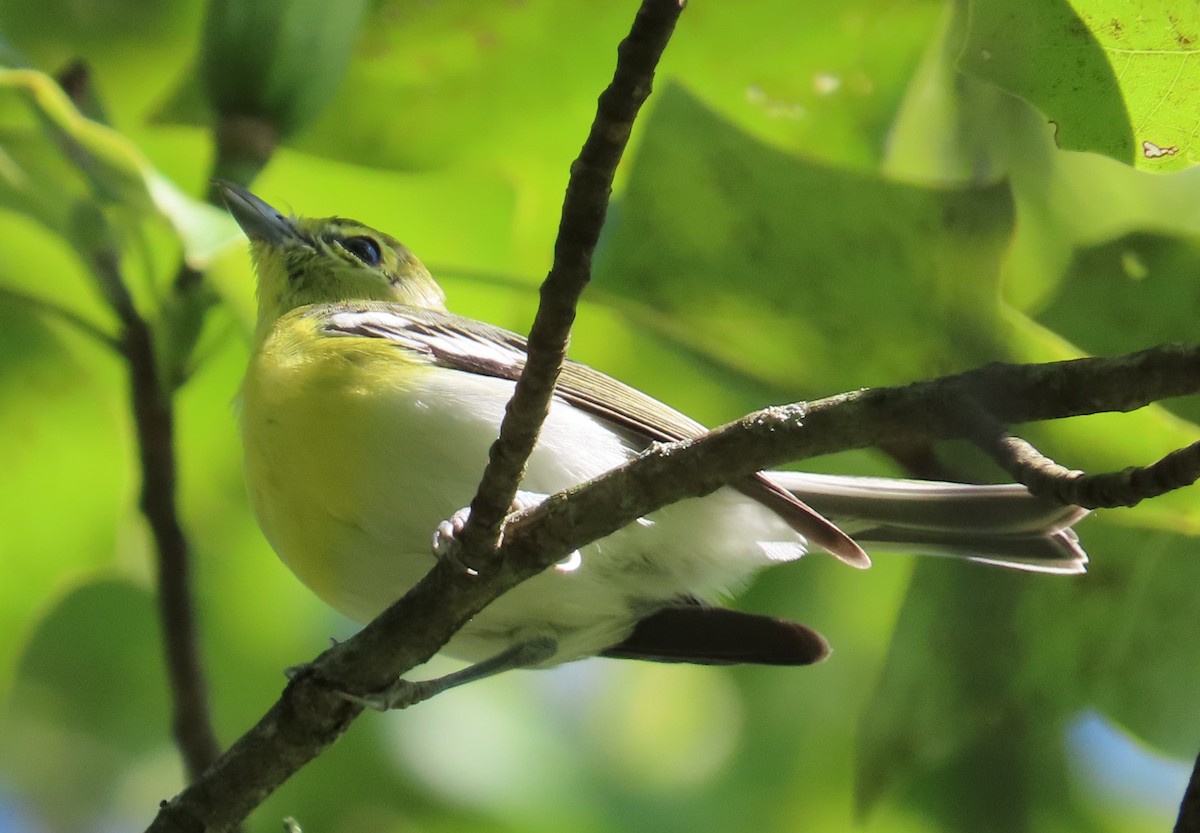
x: 584, y: 209
x: 154, y: 427
x: 1127, y: 487
x: 924, y: 410
x: 154, y: 424
x: 311, y: 715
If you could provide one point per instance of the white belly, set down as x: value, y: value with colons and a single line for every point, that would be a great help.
x: 353, y: 511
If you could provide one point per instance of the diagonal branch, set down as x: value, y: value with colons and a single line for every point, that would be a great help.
x: 919, y: 411
x: 311, y: 715
x: 584, y: 209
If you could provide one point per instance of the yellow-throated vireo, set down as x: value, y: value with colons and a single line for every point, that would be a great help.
x: 367, y: 414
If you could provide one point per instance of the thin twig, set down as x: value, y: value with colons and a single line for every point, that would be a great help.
x: 1107, y: 490
x: 584, y: 209
x: 1046, y: 478
x: 154, y: 423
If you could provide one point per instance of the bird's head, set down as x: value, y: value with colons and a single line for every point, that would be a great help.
x: 303, y: 260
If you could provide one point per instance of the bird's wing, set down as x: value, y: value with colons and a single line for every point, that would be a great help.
x: 475, y: 347
x: 464, y: 344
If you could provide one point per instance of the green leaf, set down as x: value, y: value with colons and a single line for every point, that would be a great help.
x: 1151, y: 46
x: 1041, y: 51
x: 957, y: 128
x: 987, y: 668
x: 10, y: 57
x: 86, y: 705
x: 962, y: 723
x: 1145, y: 675
x: 779, y: 268
x: 67, y: 477
x: 469, y: 80
x: 1126, y: 286
x: 85, y: 181
x: 85, y: 657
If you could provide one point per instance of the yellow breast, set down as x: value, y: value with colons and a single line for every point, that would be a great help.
x: 324, y: 473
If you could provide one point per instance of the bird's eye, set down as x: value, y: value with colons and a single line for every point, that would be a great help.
x: 363, y: 248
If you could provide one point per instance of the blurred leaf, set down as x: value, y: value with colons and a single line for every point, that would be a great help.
x: 10, y: 58
x: 203, y: 229
x: 279, y: 60
x: 132, y: 49
x: 821, y: 80
x: 1145, y: 676
x: 1004, y: 661
x: 957, y: 705
x: 95, y: 163
x: 85, y: 658
x: 1120, y: 289
x: 64, y: 170
x: 86, y: 704
x: 136, y: 23
x: 40, y: 276
x: 761, y: 261
x: 469, y: 79
x: 1080, y: 200
x: 66, y: 475
x: 942, y: 688
x: 469, y: 84
x: 456, y: 84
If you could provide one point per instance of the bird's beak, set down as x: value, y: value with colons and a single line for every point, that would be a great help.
x: 258, y: 219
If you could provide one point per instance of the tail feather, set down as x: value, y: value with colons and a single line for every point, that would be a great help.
x: 704, y: 635
x: 1003, y: 525
x: 1057, y: 551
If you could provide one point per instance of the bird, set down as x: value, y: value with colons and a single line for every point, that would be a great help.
x: 367, y: 411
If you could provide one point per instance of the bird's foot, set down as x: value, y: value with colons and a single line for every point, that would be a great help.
x: 404, y: 693
x: 399, y: 695
x: 445, y: 537
x: 447, y: 534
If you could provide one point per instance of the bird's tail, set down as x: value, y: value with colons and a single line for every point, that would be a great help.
x: 1004, y: 525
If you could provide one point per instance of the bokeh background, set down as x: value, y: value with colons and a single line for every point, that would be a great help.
x: 818, y: 197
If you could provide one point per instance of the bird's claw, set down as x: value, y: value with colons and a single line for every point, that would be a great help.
x: 399, y: 695
x: 445, y: 539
